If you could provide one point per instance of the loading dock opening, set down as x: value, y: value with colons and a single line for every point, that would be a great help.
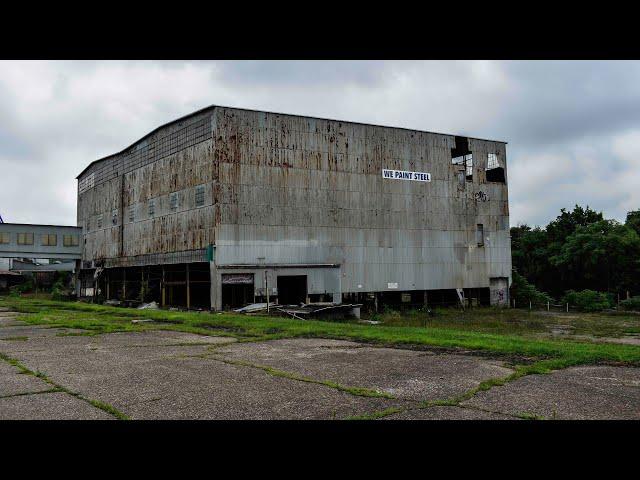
x: 237, y: 289
x: 292, y: 289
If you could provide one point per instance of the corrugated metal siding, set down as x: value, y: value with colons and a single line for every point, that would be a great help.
x: 297, y: 190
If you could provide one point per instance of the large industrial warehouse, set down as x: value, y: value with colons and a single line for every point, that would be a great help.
x: 221, y: 207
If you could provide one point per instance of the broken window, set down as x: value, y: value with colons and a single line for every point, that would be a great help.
x: 200, y: 196
x: 25, y: 239
x: 70, y: 240
x: 495, y: 173
x: 114, y: 217
x: 49, y: 240
x: 480, y: 234
x: 461, y: 155
x: 173, y: 201
x: 4, y: 238
x: 152, y: 207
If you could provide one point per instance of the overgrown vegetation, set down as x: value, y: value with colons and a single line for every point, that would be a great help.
x: 578, y: 251
x: 523, y: 292
x: 443, y: 331
x: 632, y: 303
x: 588, y: 300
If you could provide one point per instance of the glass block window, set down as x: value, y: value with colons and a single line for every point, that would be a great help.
x: 200, y: 196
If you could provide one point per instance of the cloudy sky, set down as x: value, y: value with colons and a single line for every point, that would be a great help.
x: 573, y: 127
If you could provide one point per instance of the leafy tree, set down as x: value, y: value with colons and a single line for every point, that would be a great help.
x: 633, y: 220
x: 580, y: 250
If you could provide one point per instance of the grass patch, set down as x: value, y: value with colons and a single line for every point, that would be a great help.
x: 357, y: 391
x: 15, y: 339
x: 59, y: 388
x: 379, y: 414
x: 452, y: 330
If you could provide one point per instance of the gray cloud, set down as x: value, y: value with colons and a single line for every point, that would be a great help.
x: 573, y: 127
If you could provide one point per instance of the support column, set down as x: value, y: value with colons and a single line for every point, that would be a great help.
x: 106, y: 274
x: 124, y: 283
x: 163, y: 287
x: 188, y: 289
x: 215, y: 291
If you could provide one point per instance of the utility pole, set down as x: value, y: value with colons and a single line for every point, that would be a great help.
x: 266, y: 287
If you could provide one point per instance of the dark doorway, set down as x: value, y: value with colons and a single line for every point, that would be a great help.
x: 292, y: 289
x: 237, y: 290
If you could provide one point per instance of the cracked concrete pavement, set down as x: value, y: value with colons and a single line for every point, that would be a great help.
x: 173, y: 375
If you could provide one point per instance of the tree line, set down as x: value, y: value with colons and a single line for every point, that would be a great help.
x: 579, y: 250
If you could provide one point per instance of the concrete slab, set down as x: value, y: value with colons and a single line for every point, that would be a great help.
x: 14, y: 382
x: 406, y: 374
x: 447, y: 413
x: 220, y: 391
x: 49, y: 406
x: 579, y: 393
x: 157, y: 381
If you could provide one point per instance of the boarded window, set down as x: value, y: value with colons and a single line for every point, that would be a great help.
x: 173, y: 202
x: 152, y: 207
x: 480, y: 234
x: 132, y: 214
x: 25, y: 239
x: 200, y: 196
x: 70, y: 240
x: 49, y: 240
x: 99, y: 222
x: 4, y: 237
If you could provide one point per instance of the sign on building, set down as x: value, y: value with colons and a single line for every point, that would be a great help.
x: 406, y: 175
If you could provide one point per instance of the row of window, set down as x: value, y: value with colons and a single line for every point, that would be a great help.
x: 46, y: 239
x: 151, y: 207
x: 493, y: 165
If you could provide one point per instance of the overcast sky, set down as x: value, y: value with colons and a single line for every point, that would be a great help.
x: 573, y: 128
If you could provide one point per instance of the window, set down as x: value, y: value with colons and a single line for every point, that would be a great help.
x: 70, y: 240
x: 173, y: 201
x: 49, y: 240
x: 480, y: 235
x: 467, y: 162
x: 152, y: 207
x: 99, y: 222
x: 200, y: 196
x: 114, y: 217
x: 495, y: 173
x: 132, y: 213
x: 492, y: 161
x: 4, y: 237
x: 25, y: 239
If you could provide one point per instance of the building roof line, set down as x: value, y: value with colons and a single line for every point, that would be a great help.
x: 39, y: 225
x: 212, y: 107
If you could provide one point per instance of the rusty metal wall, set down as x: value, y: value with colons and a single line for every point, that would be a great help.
x: 302, y: 190
x: 283, y: 189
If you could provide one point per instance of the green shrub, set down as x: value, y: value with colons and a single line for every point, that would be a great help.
x: 632, y: 303
x: 24, y: 287
x: 524, y: 292
x: 588, y: 300
x: 60, y: 289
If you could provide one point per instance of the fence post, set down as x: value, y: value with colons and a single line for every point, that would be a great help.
x: 567, y: 307
x: 547, y: 305
x: 529, y: 304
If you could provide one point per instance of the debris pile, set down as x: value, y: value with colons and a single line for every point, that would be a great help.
x: 304, y: 311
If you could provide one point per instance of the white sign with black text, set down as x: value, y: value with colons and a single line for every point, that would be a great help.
x: 406, y: 175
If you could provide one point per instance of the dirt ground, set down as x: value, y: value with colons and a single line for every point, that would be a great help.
x: 52, y: 373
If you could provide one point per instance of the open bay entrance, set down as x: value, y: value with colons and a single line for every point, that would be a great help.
x: 237, y: 289
x: 292, y: 289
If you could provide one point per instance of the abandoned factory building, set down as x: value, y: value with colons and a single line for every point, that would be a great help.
x: 224, y: 206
